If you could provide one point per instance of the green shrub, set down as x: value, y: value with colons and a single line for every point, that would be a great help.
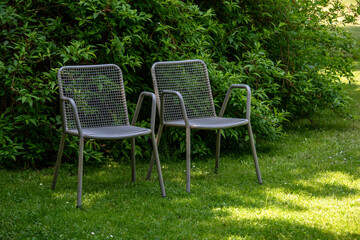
x: 290, y: 52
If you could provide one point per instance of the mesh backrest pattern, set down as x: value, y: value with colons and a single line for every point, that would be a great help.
x: 98, y: 92
x: 191, y: 79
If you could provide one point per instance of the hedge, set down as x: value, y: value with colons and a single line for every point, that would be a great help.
x: 291, y: 53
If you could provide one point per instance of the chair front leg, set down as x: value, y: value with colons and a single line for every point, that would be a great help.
x: 253, y: 150
x: 58, y: 160
x: 188, y: 157
x: 80, y: 171
x: 158, y: 136
x: 158, y: 166
x: 217, y: 157
x: 133, y: 163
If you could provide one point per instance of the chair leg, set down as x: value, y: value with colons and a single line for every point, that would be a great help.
x: 218, y: 139
x: 58, y: 161
x: 188, y: 158
x: 133, y: 167
x: 253, y: 150
x: 80, y: 171
x: 158, y: 136
x: 158, y: 166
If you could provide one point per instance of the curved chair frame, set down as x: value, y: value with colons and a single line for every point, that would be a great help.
x: 185, y: 100
x: 93, y: 105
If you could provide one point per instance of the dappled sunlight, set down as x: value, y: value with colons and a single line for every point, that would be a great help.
x: 239, y: 213
x: 91, y: 198
x: 338, y: 178
x: 336, y: 184
x: 356, y: 68
x: 356, y: 78
x: 198, y: 173
x: 276, y: 222
x: 329, y: 217
x: 284, y: 199
x: 356, y: 73
x: 65, y: 196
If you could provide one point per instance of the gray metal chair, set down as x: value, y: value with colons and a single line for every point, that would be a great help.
x: 185, y: 100
x: 93, y: 105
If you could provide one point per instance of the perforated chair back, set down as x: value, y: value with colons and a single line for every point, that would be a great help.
x: 185, y: 100
x: 98, y: 92
x: 93, y: 106
x: 191, y: 79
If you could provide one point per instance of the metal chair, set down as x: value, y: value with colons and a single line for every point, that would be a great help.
x: 93, y: 105
x: 185, y: 100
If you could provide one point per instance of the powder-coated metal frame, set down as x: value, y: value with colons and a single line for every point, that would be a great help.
x: 93, y: 105
x: 185, y: 100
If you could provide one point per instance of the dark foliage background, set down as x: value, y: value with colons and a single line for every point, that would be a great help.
x: 291, y: 53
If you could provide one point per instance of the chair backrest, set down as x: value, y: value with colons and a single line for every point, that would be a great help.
x: 98, y: 92
x: 191, y: 79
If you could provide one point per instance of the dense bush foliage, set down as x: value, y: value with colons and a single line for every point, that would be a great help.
x: 290, y: 52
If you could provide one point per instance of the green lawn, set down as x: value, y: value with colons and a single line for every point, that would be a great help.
x: 311, y: 190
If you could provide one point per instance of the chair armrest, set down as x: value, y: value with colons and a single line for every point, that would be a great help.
x: 153, y: 108
x: 248, y: 99
x: 181, y: 99
x: 75, y: 112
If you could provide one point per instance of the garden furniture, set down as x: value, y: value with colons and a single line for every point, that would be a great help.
x: 184, y: 100
x: 93, y: 106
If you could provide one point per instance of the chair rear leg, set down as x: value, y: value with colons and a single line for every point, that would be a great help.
x: 253, y: 150
x: 218, y: 139
x: 133, y: 167
x: 188, y: 158
x: 80, y: 171
x: 158, y: 166
x: 58, y: 161
x: 158, y: 136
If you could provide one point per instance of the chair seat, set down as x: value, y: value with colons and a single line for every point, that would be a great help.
x: 115, y: 132
x: 210, y: 123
